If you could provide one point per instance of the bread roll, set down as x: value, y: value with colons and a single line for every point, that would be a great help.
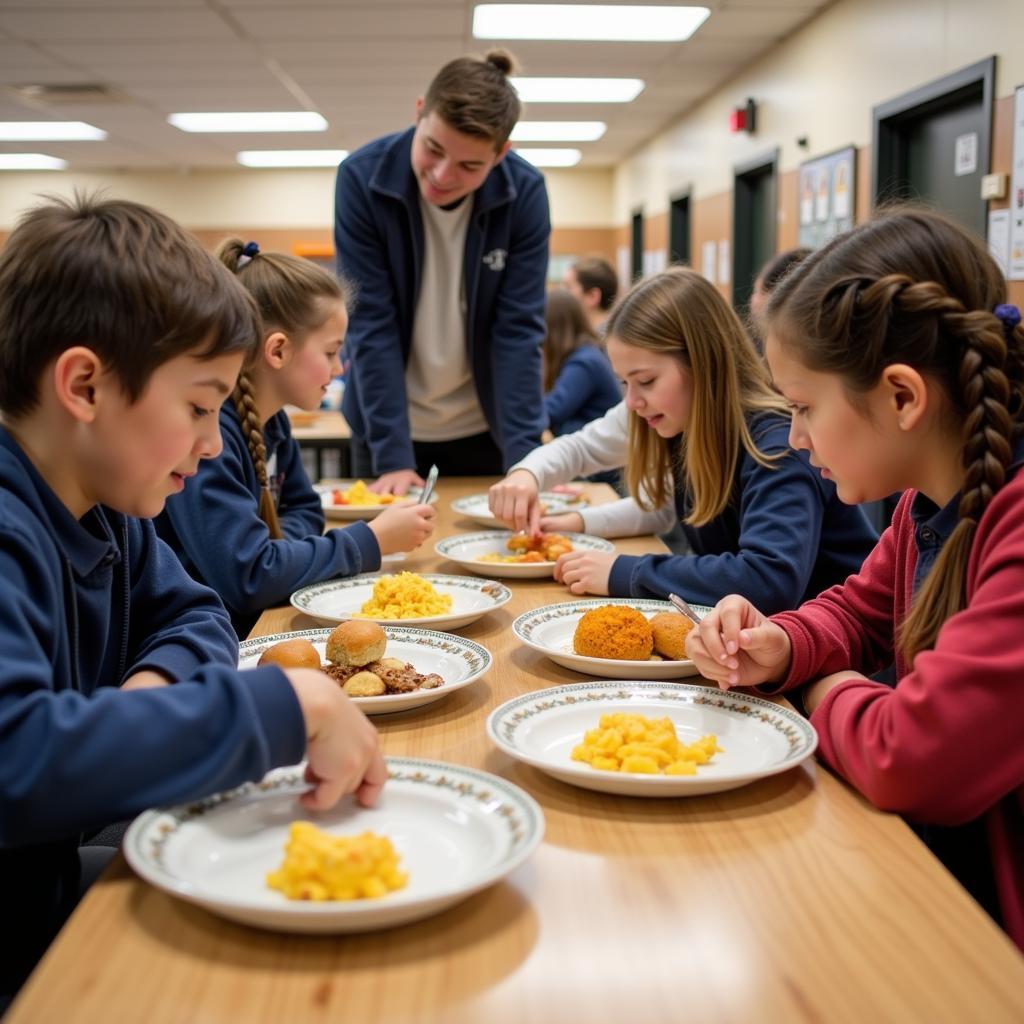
x: 670, y: 630
x: 291, y: 654
x: 356, y: 642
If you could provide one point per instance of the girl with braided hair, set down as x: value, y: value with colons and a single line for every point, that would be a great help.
x: 252, y: 527
x: 903, y: 366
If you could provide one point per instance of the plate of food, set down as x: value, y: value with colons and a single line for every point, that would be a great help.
x: 475, y: 506
x: 650, y: 738
x: 615, y: 637
x: 515, y: 555
x: 403, y: 599
x: 382, y: 668
x: 439, y: 833
x: 353, y: 499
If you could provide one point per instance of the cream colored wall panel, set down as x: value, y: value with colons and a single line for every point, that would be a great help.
x: 822, y: 83
x: 580, y: 198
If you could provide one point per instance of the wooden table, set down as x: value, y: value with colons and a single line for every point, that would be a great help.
x: 790, y: 899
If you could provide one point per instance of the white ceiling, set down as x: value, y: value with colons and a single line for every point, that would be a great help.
x: 360, y: 63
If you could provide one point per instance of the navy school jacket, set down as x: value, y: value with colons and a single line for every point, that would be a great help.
x: 783, y: 538
x: 84, y: 604
x: 378, y: 236
x: 215, y: 528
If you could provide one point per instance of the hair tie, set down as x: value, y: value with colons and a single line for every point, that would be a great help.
x: 251, y: 249
x: 1009, y: 315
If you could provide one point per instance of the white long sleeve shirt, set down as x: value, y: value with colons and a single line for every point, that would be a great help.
x: 600, y: 445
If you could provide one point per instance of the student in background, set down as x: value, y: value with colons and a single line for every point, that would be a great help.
x: 445, y: 234
x: 579, y: 385
x: 252, y: 526
x: 905, y: 370
x: 701, y: 431
x: 594, y: 282
x: 119, y: 339
x: 768, y: 277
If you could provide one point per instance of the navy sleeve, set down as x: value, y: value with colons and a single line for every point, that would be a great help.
x: 299, y: 508
x: 373, y: 342
x: 71, y: 761
x: 781, y: 511
x: 218, y: 525
x: 574, y: 387
x: 518, y: 330
x: 176, y: 624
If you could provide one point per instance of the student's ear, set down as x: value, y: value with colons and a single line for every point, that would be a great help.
x: 420, y: 104
x: 277, y: 349
x: 907, y: 394
x: 501, y: 152
x: 77, y: 376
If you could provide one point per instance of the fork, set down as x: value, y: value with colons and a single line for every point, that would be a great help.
x: 683, y: 607
x: 428, y: 487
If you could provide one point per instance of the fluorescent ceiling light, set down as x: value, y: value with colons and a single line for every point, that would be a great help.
x: 291, y: 157
x: 605, y: 22
x: 558, y: 131
x: 49, y: 131
x: 30, y: 162
x: 250, y: 121
x: 551, y: 157
x: 578, y: 90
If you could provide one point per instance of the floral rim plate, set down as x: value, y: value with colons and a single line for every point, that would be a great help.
x: 550, y: 630
x: 475, y: 506
x: 466, y: 549
x: 457, y: 661
x: 758, y: 738
x: 352, y: 512
x: 456, y: 830
x: 338, y: 600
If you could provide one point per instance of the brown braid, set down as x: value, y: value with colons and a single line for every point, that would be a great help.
x: 913, y: 287
x: 252, y: 429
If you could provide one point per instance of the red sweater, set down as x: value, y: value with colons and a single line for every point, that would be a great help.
x: 946, y: 745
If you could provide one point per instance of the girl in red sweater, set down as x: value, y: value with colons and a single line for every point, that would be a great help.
x: 903, y: 366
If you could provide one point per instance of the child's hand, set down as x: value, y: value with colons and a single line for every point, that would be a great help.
x: 735, y: 645
x: 585, y: 572
x: 398, y: 482
x: 342, y: 747
x: 403, y: 527
x: 516, y: 500
x: 145, y: 680
x: 566, y: 522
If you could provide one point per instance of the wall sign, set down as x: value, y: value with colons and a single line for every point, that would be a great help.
x: 827, y: 186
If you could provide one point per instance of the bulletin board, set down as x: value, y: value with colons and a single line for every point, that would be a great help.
x: 828, y: 190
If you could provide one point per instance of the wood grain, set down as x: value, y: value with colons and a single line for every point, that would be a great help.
x: 787, y: 900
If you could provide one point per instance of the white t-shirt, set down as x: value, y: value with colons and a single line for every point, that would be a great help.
x: 443, y: 404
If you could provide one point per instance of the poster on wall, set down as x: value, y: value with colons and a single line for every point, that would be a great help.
x: 1016, y: 272
x: 827, y: 196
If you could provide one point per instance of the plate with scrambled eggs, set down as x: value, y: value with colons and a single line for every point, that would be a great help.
x: 353, y: 499
x: 649, y: 738
x: 403, y: 599
x: 459, y: 662
x: 613, y: 637
x: 476, y: 507
x: 439, y: 833
x: 515, y: 555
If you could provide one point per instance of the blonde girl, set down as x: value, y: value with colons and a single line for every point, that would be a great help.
x: 252, y: 526
x: 903, y: 366
x: 706, y: 435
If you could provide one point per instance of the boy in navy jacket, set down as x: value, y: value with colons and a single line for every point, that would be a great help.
x: 445, y: 235
x: 119, y: 339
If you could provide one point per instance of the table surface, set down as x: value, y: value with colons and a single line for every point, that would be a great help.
x: 325, y: 425
x: 790, y: 899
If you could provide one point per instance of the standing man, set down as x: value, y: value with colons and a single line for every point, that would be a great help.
x: 594, y: 282
x: 444, y: 234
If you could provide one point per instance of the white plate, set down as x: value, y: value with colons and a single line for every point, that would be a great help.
x: 457, y: 661
x: 550, y: 630
x: 758, y: 738
x: 474, y: 506
x: 352, y: 512
x: 456, y: 831
x: 338, y: 600
x: 467, y: 548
